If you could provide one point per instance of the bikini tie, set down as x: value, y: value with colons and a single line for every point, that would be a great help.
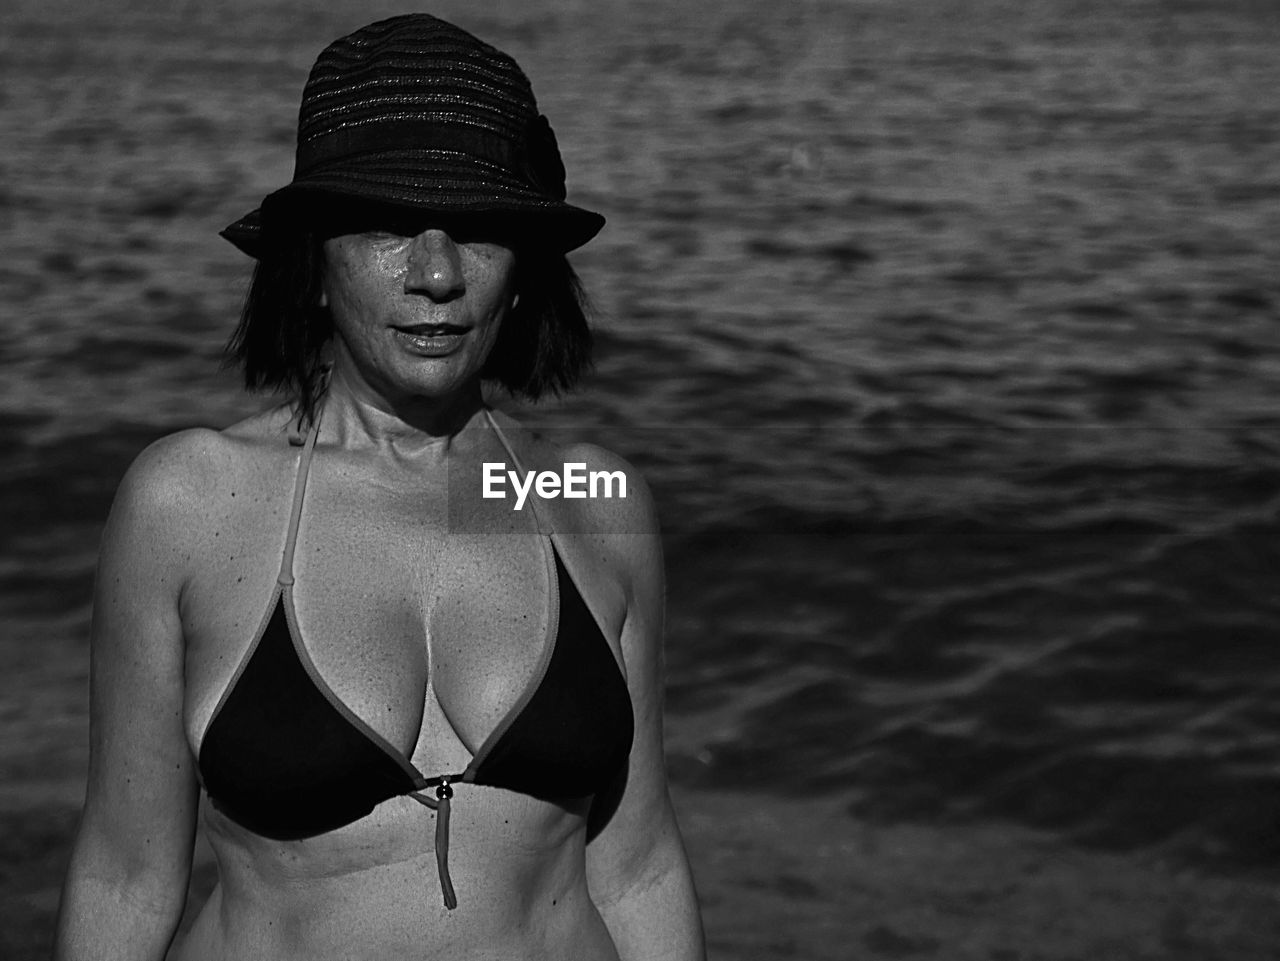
x: 440, y: 804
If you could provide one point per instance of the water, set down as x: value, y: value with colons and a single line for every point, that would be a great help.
x: 948, y: 335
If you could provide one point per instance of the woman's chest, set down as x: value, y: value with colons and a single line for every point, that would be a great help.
x: 427, y: 635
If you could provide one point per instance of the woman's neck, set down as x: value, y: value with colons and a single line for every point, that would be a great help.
x: 357, y: 417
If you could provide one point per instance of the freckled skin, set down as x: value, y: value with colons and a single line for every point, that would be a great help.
x: 376, y: 282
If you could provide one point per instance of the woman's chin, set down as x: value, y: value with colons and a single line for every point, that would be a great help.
x: 434, y: 380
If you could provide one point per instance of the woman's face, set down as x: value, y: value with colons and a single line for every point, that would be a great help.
x: 416, y: 313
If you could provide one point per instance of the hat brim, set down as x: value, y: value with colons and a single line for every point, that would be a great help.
x: 451, y: 187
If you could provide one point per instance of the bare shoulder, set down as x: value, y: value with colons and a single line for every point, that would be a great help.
x: 175, y: 471
x: 619, y: 501
x: 144, y: 559
x: 595, y: 496
x: 185, y: 476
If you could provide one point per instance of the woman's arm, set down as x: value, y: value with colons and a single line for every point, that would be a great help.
x: 637, y: 870
x: 127, y: 881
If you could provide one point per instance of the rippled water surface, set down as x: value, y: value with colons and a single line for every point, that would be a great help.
x: 947, y: 333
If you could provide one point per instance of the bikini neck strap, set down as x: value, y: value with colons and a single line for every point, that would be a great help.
x: 519, y: 468
x: 285, y: 578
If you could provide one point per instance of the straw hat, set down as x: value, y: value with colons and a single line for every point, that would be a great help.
x: 414, y: 115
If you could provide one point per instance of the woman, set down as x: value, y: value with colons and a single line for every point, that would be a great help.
x: 428, y: 724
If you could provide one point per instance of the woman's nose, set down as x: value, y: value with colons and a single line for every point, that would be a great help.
x: 434, y: 266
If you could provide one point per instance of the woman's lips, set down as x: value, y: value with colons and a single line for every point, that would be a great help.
x: 431, y: 340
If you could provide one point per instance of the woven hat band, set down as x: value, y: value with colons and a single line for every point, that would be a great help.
x: 348, y: 143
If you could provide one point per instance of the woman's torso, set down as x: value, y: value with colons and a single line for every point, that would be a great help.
x: 427, y: 612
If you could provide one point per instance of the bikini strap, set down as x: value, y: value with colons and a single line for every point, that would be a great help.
x: 285, y: 577
x: 515, y: 461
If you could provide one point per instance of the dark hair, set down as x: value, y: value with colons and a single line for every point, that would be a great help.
x: 543, y: 346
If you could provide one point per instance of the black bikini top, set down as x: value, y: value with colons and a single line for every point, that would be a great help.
x: 285, y: 758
